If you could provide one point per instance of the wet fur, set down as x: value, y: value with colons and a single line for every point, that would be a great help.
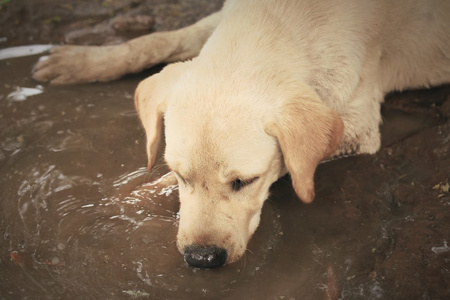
x: 267, y: 87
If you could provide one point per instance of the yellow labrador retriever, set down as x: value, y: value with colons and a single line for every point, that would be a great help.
x: 267, y: 87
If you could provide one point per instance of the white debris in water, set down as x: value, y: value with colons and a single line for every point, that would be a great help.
x: 23, y: 51
x: 22, y: 93
x: 87, y: 205
x: 441, y: 249
x: 61, y: 246
x: 55, y: 260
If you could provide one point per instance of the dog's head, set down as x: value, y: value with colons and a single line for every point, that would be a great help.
x: 227, y: 144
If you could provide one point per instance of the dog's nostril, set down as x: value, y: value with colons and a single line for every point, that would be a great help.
x: 205, y: 257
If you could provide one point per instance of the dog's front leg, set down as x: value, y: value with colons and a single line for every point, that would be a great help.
x: 362, y: 119
x: 78, y: 64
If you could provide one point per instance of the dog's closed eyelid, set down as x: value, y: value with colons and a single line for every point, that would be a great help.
x: 238, y: 183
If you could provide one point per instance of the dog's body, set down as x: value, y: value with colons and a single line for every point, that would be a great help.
x: 275, y: 87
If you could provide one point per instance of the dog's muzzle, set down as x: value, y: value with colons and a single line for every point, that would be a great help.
x: 205, y: 257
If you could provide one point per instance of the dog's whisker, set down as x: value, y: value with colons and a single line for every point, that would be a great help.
x: 155, y: 169
x: 149, y: 176
x: 244, y: 261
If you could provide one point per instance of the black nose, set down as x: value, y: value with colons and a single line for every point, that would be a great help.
x: 205, y: 257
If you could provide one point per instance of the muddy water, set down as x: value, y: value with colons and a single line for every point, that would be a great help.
x: 79, y: 218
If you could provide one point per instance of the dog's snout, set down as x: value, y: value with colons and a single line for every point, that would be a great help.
x: 205, y: 257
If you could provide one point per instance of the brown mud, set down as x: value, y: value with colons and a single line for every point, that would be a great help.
x: 75, y: 225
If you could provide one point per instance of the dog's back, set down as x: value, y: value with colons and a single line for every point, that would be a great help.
x: 405, y: 44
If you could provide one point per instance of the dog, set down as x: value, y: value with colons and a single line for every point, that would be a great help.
x: 260, y: 89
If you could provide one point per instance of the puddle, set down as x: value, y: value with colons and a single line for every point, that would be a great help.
x: 80, y: 219
x: 398, y: 125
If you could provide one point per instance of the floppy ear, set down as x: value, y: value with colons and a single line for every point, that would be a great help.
x: 307, y: 132
x: 150, y: 99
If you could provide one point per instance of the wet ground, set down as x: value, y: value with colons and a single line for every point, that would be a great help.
x: 79, y: 220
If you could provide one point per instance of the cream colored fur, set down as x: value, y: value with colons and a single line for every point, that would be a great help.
x: 272, y: 87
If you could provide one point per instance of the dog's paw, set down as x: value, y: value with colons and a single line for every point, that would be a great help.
x: 368, y: 143
x: 79, y: 64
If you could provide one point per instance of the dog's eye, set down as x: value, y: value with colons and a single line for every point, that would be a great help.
x: 238, y: 184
